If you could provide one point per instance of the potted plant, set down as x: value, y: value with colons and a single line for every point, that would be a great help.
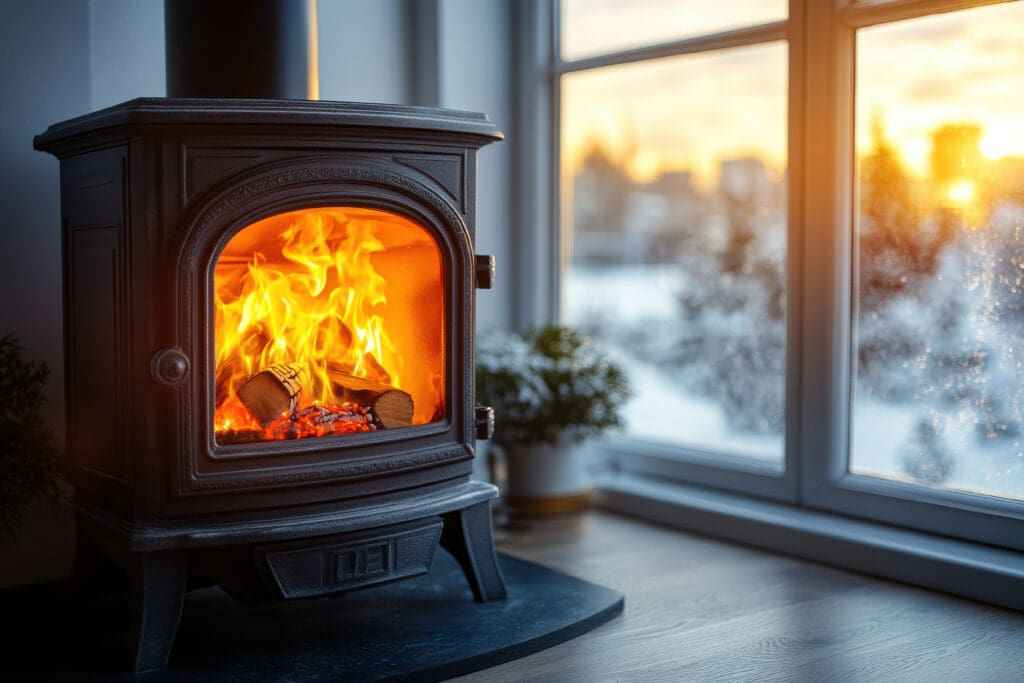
x: 28, y: 448
x: 551, y: 391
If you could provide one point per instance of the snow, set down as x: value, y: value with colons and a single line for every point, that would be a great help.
x: 630, y: 293
x: 661, y: 409
x: 695, y: 314
x: 880, y: 429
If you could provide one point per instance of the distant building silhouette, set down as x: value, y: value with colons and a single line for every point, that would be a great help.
x: 956, y: 153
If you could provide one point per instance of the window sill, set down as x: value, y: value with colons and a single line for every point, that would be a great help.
x: 974, y: 571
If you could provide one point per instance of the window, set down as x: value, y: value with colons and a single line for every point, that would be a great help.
x: 674, y: 175
x: 801, y: 230
x: 674, y: 178
x: 939, y: 390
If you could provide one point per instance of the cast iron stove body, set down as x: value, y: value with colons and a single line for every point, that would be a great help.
x: 159, y: 198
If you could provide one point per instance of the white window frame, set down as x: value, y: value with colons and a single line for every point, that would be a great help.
x: 820, y: 324
x: 827, y: 358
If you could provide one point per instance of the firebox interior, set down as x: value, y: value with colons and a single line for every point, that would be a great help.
x: 328, y: 321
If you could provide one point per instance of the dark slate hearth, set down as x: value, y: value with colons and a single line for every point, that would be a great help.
x: 422, y: 629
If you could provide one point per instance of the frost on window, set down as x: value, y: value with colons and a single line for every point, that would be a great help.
x: 675, y: 183
x: 939, y: 387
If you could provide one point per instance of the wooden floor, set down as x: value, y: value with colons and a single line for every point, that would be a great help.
x: 701, y: 609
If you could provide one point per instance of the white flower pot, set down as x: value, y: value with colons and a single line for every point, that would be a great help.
x: 548, y: 478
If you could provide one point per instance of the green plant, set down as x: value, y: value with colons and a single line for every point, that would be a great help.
x: 28, y: 449
x: 547, y: 384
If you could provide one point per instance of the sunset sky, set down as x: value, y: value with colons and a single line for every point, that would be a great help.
x: 689, y: 112
x: 683, y: 112
x: 598, y: 26
x: 961, y: 67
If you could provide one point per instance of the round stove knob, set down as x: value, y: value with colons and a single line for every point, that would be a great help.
x: 170, y: 366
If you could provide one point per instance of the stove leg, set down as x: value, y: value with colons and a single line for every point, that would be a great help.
x: 467, y: 536
x: 157, y: 593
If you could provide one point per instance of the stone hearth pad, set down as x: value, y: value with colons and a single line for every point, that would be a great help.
x: 423, y: 629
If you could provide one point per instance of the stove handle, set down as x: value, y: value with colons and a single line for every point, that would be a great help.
x: 484, y: 422
x: 485, y: 271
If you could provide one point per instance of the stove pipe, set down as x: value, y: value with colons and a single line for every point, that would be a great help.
x: 241, y: 48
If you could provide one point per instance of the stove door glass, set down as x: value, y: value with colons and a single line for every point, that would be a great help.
x: 328, y: 321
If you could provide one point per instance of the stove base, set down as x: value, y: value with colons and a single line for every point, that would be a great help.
x: 262, y: 561
x: 424, y: 629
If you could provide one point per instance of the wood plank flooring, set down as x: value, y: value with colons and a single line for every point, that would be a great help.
x: 700, y: 609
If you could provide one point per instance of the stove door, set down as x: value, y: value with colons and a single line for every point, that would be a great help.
x: 325, y: 330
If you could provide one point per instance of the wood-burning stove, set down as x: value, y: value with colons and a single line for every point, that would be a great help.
x: 246, y: 281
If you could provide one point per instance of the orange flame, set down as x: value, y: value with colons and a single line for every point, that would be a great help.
x: 305, y: 287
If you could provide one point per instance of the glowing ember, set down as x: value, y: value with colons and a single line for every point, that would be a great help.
x: 236, y: 424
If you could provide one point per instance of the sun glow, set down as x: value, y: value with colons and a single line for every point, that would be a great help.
x: 999, y: 143
x: 962, y: 192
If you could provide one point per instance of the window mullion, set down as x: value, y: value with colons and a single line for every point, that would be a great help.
x: 827, y: 215
x: 796, y: 227
x: 862, y: 14
x: 737, y: 38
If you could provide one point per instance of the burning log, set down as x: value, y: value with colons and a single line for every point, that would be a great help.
x: 380, y: 375
x: 226, y: 368
x: 274, y: 391
x: 272, y: 396
x: 224, y: 372
x: 390, y: 406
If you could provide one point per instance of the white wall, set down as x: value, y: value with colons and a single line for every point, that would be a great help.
x: 363, y: 50
x: 61, y: 58
x: 44, y: 76
x: 126, y: 51
x: 475, y: 65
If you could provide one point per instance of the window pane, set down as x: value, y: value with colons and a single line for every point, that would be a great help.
x: 591, y: 27
x: 674, y: 191
x: 939, y: 392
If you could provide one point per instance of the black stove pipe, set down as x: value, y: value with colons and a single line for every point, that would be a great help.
x: 241, y: 48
